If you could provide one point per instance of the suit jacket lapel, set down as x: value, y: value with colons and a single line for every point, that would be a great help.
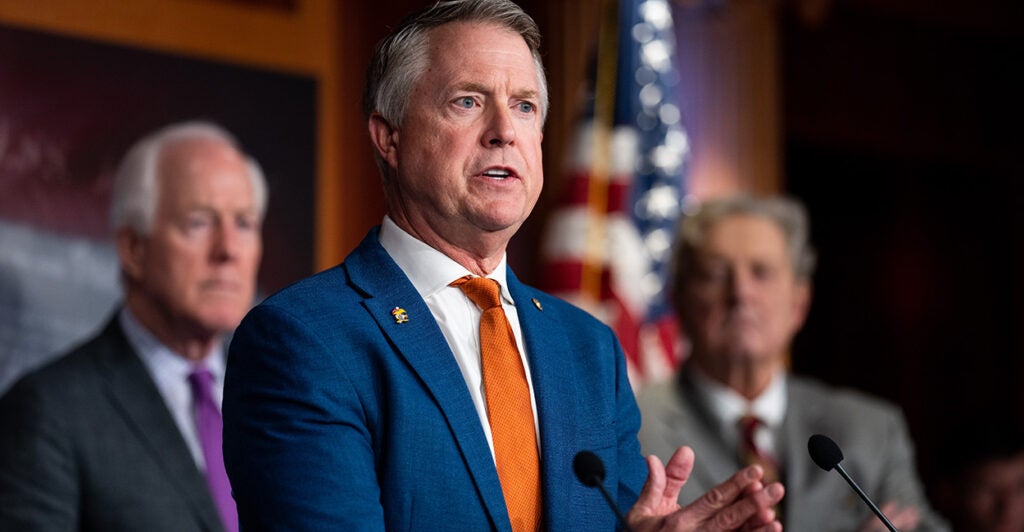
x: 421, y: 343
x: 717, y: 461
x: 133, y: 394
x: 554, y: 386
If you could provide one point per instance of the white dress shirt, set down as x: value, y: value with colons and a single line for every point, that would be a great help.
x: 170, y: 372
x: 728, y: 407
x: 430, y: 272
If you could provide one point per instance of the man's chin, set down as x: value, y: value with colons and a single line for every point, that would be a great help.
x: 221, y: 321
x: 744, y: 352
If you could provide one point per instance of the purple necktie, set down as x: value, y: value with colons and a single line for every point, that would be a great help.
x: 209, y: 427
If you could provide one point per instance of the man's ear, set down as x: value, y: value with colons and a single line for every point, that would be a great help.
x: 131, y: 251
x: 385, y: 139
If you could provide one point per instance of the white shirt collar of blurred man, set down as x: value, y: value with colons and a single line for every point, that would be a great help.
x: 727, y: 406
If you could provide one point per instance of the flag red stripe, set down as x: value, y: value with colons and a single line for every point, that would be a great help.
x: 577, y: 188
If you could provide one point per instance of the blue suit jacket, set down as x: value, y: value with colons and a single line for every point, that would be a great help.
x: 337, y: 417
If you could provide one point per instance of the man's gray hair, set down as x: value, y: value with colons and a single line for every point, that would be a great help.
x: 136, y: 191
x: 401, y: 58
x: 788, y: 213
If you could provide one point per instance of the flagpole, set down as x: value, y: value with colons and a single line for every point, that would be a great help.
x: 604, y: 123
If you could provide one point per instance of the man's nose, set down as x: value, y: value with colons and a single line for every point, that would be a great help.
x: 225, y: 241
x: 500, y: 130
x: 740, y: 284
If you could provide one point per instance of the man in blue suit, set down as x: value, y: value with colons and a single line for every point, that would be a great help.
x: 356, y: 399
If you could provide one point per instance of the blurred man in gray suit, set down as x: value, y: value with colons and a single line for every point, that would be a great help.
x: 742, y: 289
x: 123, y: 433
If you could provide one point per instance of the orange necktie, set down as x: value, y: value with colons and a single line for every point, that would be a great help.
x: 508, y: 405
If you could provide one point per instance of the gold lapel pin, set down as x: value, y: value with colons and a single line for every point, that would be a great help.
x: 401, y: 316
x: 536, y: 303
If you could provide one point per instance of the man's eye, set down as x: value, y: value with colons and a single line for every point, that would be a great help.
x: 526, y: 107
x: 763, y: 272
x: 712, y: 274
x: 197, y: 222
x: 716, y: 275
x: 466, y: 102
x: 246, y: 222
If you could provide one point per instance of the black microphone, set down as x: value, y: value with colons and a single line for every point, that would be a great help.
x: 590, y: 470
x: 827, y: 455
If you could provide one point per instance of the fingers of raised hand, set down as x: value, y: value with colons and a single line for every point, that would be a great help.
x: 721, y: 496
x: 902, y: 518
x: 906, y: 518
x: 752, y: 511
x: 660, y: 493
x: 765, y: 515
x: 677, y: 471
x: 653, y: 503
x: 738, y: 503
x: 655, y: 484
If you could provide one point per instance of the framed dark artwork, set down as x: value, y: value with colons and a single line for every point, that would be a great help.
x: 69, y: 108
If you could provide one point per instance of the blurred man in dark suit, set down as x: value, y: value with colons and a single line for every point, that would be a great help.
x: 123, y: 433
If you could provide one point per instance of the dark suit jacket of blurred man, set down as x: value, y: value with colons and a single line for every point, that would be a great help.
x: 59, y: 428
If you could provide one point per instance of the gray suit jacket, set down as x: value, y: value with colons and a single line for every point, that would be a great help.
x: 872, y: 433
x: 87, y: 443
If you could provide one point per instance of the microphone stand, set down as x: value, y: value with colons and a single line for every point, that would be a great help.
x: 865, y: 498
x: 615, y: 507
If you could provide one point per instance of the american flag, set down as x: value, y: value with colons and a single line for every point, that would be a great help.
x: 608, y: 242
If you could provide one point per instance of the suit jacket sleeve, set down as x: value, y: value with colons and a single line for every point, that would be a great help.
x: 633, y: 469
x: 900, y: 481
x: 296, y: 445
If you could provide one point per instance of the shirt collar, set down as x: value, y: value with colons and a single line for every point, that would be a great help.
x: 729, y: 406
x: 157, y: 357
x: 429, y: 270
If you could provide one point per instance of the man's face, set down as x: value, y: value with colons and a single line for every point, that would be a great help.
x: 995, y: 495
x: 468, y: 154
x: 742, y: 301
x: 197, y: 267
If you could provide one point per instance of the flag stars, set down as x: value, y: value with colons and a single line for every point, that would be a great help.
x: 669, y: 114
x: 650, y: 96
x: 657, y: 54
x: 666, y: 159
x: 648, y: 153
x: 660, y: 202
x: 677, y: 139
x: 642, y: 32
x: 659, y: 244
x: 657, y: 13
